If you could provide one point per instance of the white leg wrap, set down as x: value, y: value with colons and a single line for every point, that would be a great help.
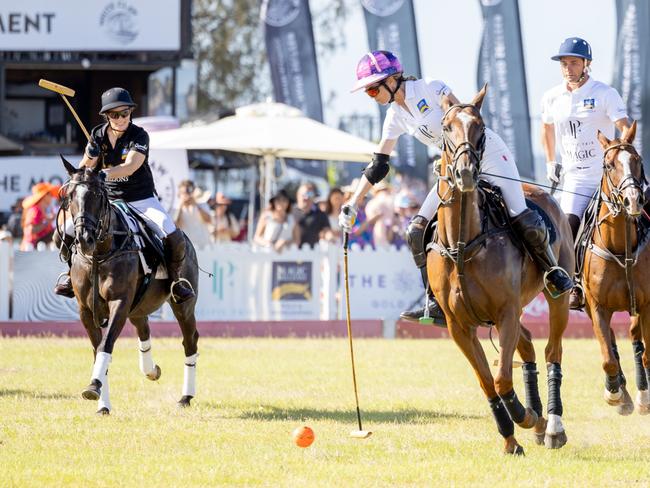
x: 102, y: 360
x: 147, y: 365
x: 613, y: 396
x: 104, y: 396
x: 189, y: 375
x: 554, y: 425
x: 643, y: 397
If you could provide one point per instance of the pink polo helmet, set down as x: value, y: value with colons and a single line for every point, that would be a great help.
x: 376, y: 66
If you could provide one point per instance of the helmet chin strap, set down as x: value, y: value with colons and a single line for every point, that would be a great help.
x: 393, y: 92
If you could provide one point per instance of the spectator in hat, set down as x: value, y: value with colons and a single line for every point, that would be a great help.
x: 276, y: 227
x: 192, y: 215
x: 225, y: 225
x: 312, y: 222
x: 38, y: 222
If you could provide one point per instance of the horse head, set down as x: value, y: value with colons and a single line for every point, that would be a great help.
x: 463, y: 134
x: 87, y: 202
x: 623, y: 174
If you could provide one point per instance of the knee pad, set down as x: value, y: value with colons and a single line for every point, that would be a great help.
x: 415, y: 239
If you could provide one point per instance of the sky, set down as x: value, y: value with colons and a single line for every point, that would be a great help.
x: 449, y: 35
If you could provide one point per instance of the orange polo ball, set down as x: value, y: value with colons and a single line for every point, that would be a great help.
x: 303, y: 436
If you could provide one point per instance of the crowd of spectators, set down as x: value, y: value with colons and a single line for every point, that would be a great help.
x: 305, y: 219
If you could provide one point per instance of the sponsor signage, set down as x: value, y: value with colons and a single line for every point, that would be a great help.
x: 91, y: 25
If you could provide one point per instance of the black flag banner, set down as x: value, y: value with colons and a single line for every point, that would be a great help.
x: 292, y: 59
x: 632, y: 69
x: 501, y: 66
x: 391, y: 27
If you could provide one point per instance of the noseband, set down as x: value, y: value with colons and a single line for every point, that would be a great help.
x: 614, y: 200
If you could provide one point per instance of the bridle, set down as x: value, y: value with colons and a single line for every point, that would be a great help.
x: 614, y: 197
x: 97, y: 226
x: 456, y: 151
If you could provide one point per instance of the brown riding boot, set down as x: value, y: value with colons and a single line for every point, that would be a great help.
x: 532, y: 230
x: 181, y: 289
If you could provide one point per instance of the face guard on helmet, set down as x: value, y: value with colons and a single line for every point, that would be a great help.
x: 375, y: 67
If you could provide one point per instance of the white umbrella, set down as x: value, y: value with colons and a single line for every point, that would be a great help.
x: 269, y: 130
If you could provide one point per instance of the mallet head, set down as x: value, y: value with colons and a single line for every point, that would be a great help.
x: 55, y: 87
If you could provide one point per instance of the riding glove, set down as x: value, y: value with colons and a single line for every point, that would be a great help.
x: 92, y: 149
x: 553, y: 171
x: 347, y: 217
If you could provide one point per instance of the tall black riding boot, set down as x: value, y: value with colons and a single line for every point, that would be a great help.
x: 435, y: 314
x: 532, y: 230
x: 181, y: 289
x: 63, y: 286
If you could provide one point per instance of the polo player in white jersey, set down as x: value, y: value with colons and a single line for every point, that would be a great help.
x: 572, y: 114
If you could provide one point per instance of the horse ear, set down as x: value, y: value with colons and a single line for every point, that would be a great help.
x: 445, y: 103
x: 478, y: 99
x: 99, y: 165
x: 604, y: 142
x: 630, y: 133
x: 70, y: 169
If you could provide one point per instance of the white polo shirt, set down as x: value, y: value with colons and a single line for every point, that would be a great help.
x: 422, y: 97
x: 578, y: 115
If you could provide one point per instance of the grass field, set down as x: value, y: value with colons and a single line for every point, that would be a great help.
x: 431, y: 423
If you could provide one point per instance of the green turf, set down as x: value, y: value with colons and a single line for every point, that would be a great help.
x: 432, y: 426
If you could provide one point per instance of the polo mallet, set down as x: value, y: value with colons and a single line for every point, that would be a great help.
x: 63, y: 91
x: 554, y: 187
x: 357, y: 434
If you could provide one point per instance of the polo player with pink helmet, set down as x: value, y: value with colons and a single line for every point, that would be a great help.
x: 415, y: 108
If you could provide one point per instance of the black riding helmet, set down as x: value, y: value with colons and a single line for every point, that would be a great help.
x: 116, y: 97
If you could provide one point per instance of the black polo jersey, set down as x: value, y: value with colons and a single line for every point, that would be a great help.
x: 138, y: 185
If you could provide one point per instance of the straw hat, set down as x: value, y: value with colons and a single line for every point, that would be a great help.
x: 39, y: 190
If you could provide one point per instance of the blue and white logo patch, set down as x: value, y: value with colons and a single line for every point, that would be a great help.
x: 423, y: 106
x: 589, y: 103
x: 125, y: 151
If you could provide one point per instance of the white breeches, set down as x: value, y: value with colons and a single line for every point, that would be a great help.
x: 497, y: 160
x: 584, y: 181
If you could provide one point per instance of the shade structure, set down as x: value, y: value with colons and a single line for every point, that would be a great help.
x: 269, y: 129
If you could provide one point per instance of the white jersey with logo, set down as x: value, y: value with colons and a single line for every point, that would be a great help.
x: 423, y: 97
x: 578, y: 115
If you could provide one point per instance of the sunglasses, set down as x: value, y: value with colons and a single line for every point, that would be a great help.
x: 373, y: 91
x: 117, y: 115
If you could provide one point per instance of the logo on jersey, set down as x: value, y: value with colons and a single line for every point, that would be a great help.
x: 423, y: 106
x: 140, y: 147
x: 574, y: 128
x: 125, y: 152
x: 589, y: 103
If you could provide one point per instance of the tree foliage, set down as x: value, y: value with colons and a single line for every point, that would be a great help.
x: 231, y: 53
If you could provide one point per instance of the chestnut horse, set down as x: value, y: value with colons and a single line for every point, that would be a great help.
x: 482, y: 279
x: 618, y: 252
x: 107, y: 273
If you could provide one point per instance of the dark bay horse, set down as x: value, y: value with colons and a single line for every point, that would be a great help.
x: 484, y: 278
x: 616, y: 272
x: 106, y: 274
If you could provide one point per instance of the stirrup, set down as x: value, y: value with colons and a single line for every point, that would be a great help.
x: 177, y: 282
x: 551, y: 288
x: 580, y: 292
x: 426, y: 318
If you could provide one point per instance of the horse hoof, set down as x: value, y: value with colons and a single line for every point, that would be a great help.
x: 92, y: 391
x: 155, y: 374
x: 103, y: 411
x: 540, y: 431
x: 642, y: 409
x: 555, y: 441
x: 515, y: 450
x: 530, y: 419
x: 626, y: 407
x: 184, y: 402
x: 642, y: 402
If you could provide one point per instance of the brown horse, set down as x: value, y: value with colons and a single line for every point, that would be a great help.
x: 619, y: 252
x: 484, y: 279
x: 107, y: 273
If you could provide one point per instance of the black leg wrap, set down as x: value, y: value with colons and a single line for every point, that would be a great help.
x: 612, y: 383
x: 504, y: 422
x: 554, y: 372
x: 641, y: 380
x: 514, y: 407
x: 532, y: 389
x: 618, y: 360
x: 647, y: 375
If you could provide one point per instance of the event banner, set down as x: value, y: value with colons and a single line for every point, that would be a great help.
x: 292, y: 59
x: 632, y: 69
x: 391, y: 27
x: 501, y: 66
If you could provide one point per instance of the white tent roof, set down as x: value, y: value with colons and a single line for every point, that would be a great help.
x: 269, y: 129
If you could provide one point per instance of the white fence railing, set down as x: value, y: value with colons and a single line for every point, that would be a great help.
x: 245, y: 283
